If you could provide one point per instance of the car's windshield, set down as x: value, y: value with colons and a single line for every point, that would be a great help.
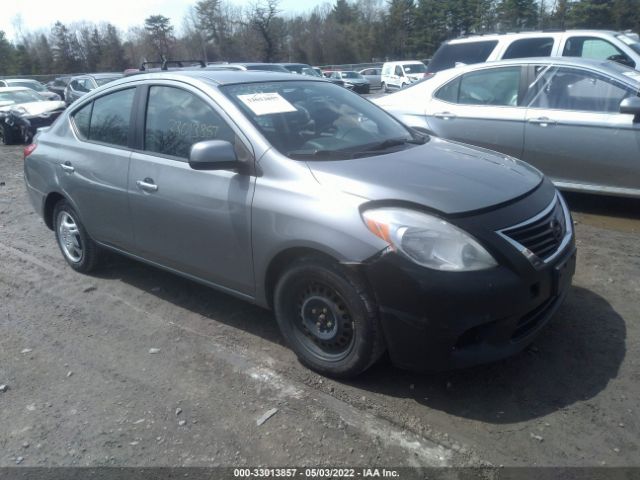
x: 105, y: 80
x: 630, y: 42
x: 19, y: 96
x: 414, y: 68
x: 268, y: 68
x: 317, y: 120
x: 311, y: 72
x: 351, y: 75
x: 38, y: 87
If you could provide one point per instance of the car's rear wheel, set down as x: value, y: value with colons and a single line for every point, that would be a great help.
x: 77, y: 248
x: 328, y: 317
x: 6, y: 135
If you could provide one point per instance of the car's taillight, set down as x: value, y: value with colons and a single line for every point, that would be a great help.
x: 28, y: 150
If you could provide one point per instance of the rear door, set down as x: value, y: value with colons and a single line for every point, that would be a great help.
x: 574, y: 132
x: 197, y: 222
x: 482, y: 107
x: 94, y: 167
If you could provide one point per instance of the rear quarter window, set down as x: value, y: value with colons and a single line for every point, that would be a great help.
x: 451, y: 53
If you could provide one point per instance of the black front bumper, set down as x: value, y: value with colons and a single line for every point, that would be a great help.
x: 434, y: 320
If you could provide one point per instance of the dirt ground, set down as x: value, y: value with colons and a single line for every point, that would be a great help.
x: 84, y: 389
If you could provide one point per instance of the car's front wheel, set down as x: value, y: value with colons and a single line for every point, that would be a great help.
x: 328, y: 317
x: 78, y: 249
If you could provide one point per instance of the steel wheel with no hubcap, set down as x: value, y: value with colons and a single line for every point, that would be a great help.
x: 325, y: 325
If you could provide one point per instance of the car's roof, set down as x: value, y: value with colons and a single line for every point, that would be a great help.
x: 20, y: 80
x: 538, y: 33
x: 222, y: 77
x: 14, y: 89
x: 606, y: 66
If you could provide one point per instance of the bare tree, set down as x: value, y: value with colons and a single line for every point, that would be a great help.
x: 263, y: 17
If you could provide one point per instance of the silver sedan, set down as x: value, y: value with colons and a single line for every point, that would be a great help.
x: 576, y: 120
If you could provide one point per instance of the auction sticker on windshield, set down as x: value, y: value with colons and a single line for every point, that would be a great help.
x: 267, y: 103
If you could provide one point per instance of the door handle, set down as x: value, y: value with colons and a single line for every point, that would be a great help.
x: 445, y: 115
x: 542, y: 121
x: 67, y: 167
x: 147, y: 185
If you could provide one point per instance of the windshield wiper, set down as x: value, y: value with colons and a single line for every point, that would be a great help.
x: 318, y: 154
x: 389, y: 143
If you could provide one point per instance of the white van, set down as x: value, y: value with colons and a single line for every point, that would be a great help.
x: 397, y: 75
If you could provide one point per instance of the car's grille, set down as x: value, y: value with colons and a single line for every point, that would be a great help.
x: 543, y: 234
x: 532, y: 319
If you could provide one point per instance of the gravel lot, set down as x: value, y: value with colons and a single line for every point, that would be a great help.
x: 84, y: 389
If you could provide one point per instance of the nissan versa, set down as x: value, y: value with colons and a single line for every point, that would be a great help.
x: 298, y: 195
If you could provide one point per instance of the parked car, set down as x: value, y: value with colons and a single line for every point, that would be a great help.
x: 300, y: 69
x: 304, y: 69
x: 22, y: 112
x: 577, y: 120
x: 265, y: 67
x: 373, y: 76
x: 82, y: 84
x: 622, y: 47
x: 398, y: 75
x: 352, y: 80
x: 443, y: 254
x: 58, y: 85
x: 31, y: 84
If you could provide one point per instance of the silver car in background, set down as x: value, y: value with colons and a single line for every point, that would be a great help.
x: 361, y: 234
x: 373, y: 76
x: 577, y: 120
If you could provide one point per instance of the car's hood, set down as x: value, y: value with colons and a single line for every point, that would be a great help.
x: 356, y: 80
x: 35, y: 108
x: 445, y: 176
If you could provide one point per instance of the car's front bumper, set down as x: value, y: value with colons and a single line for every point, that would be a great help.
x: 435, y: 320
x: 443, y: 320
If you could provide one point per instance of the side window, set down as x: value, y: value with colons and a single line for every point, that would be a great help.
x: 176, y: 119
x: 579, y: 90
x: 530, y: 47
x: 81, y: 119
x: 111, y: 117
x: 449, y: 93
x: 496, y: 86
x: 398, y: 71
x: 595, y: 48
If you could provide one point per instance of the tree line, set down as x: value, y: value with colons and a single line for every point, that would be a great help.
x: 343, y: 32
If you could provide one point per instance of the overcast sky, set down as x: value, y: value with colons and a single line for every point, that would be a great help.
x: 36, y: 14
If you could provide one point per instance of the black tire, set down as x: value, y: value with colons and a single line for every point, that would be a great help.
x: 328, y: 317
x: 6, y: 135
x: 77, y: 247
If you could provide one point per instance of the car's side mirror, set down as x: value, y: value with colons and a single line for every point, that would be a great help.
x: 631, y: 105
x: 213, y: 155
x: 622, y: 59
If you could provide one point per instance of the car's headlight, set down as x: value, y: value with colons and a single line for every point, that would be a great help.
x: 428, y: 240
